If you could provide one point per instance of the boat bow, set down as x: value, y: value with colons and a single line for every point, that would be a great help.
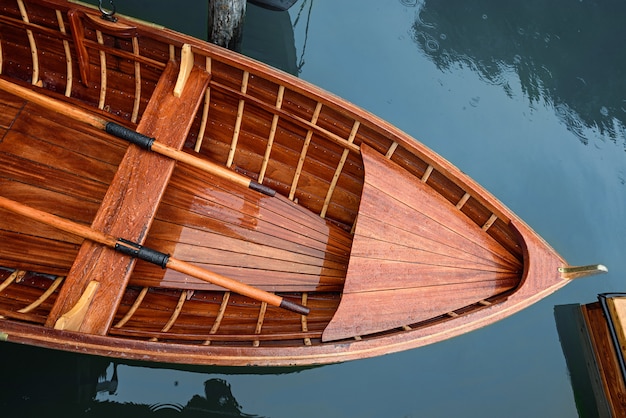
x: 415, y: 256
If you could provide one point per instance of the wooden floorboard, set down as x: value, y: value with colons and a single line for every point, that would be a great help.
x: 267, y: 242
x: 370, y: 312
x: 429, y: 218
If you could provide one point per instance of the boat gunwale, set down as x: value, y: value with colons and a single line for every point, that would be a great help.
x: 327, y: 353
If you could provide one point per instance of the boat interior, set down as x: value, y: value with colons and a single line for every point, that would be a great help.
x: 352, y: 218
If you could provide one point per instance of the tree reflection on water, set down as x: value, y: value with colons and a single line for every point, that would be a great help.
x: 566, y: 54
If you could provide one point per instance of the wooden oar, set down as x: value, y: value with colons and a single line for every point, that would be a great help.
x: 131, y: 136
x: 147, y: 254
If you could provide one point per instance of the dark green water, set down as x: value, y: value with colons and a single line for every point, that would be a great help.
x: 527, y: 98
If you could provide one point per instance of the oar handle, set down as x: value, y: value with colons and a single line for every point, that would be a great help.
x: 147, y: 254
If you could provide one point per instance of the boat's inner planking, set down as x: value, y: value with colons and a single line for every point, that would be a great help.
x: 280, y: 135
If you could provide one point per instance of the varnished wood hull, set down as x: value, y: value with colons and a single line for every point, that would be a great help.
x: 388, y: 244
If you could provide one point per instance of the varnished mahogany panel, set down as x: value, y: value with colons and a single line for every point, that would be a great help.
x: 268, y: 242
x: 405, y: 266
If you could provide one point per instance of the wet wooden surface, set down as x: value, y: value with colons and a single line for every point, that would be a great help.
x: 128, y: 208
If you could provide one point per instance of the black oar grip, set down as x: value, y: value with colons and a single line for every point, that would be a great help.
x: 129, y: 135
x: 261, y: 188
x: 143, y: 253
x: 294, y: 307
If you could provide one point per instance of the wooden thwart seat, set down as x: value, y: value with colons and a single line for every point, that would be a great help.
x: 130, y: 204
x: 427, y: 260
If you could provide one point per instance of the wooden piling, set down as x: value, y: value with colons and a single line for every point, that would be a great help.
x: 225, y: 23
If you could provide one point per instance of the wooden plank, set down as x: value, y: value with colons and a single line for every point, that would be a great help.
x: 38, y: 257
x: 131, y: 202
x: 394, y: 191
x: 220, y: 206
x: 371, y: 312
x: 613, y: 383
x: 8, y: 112
x: 410, y: 247
x: 277, y: 281
x: 267, y: 242
x: 617, y: 309
x: 205, y: 247
x: 379, y: 274
x: 378, y: 232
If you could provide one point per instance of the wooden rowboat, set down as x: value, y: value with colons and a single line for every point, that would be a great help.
x: 175, y: 248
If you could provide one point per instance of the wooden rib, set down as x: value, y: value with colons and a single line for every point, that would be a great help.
x: 31, y: 41
x: 463, y: 200
x: 186, y: 64
x: 15, y: 276
x: 356, y: 218
x: 179, y: 307
x: 283, y: 336
x: 342, y: 162
x: 288, y: 116
x: 305, y: 326
x: 427, y: 173
x: 305, y: 149
x: 68, y: 55
x: 259, y: 323
x: 391, y: 150
x: 237, y: 130
x: 103, y: 72
x: 220, y: 316
x: 205, y: 110
x: 44, y: 296
x: 489, y: 222
x: 132, y: 309
x: 270, y: 139
x: 44, y: 31
x: 137, y: 101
